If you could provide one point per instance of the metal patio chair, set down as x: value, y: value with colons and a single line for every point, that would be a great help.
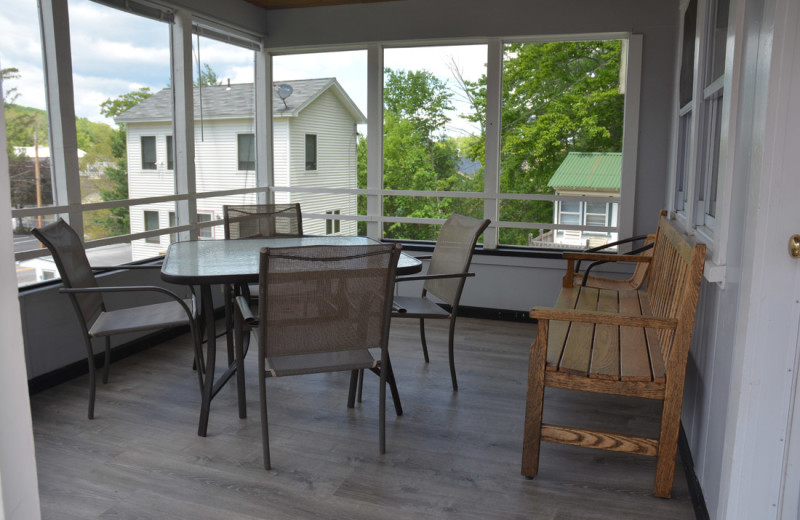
x: 445, y: 278
x: 320, y: 309
x: 95, y: 319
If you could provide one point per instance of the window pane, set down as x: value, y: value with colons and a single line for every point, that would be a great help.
x: 224, y: 81
x: 246, y: 144
x: 562, y: 103
x: 148, y: 153
x: 206, y: 232
x: 25, y: 110
x: 433, y: 124
x: 170, y: 154
x: 311, y: 152
x: 687, y: 53
x: 150, y: 224
x: 123, y: 103
x: 337, y: 82
x: 717, y: 40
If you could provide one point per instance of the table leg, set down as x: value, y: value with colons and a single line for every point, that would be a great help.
x: 207, y: 303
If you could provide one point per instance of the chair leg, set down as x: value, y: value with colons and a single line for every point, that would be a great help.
x: 107, y: 361
x: 360, y: 384
x: 422, y: 337
x: 92, y: 387
x: 533, y: 406
x: 238, y: 346
x: 398, y: 408
x: 451, y: 353
x: 262, y: 390
x: 351, y: 395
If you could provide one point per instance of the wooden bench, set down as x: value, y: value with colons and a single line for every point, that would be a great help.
x: 619, y: 341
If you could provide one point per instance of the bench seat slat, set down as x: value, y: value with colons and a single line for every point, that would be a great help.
x: 559, y: 329
x: 605, y: 352
x: 634, y: 358
x: 577, y: 350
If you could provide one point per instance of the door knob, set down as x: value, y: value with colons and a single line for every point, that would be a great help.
x: 794, y: 246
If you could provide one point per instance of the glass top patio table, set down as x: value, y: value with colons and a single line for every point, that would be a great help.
x: 210, y: 262
x: 230, y: 261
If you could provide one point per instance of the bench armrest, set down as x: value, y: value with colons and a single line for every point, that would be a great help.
x: 606, y: 318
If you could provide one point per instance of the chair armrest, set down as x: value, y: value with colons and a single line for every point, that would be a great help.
x: 243, y: 305
x: 432, y: 276
x: 104, y: 268
x: 192, y: 313
x: 605, y: 318
x: 605, y: 257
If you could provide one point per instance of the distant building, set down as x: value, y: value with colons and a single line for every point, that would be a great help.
x: 314, y: 144
x: 585, y: 174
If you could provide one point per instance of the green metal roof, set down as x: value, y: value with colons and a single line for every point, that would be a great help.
x: 588, y: 171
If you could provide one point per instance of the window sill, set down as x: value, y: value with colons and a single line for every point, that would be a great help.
x: 715, y: 273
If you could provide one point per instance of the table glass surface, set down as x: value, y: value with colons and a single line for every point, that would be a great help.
x: 220, y: 261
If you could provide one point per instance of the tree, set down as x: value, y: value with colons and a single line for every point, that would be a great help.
x: 557, y: 97
x: 417, y: 153
x: 116, y: 221
x: 207, y: 77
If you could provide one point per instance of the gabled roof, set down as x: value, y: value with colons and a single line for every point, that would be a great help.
x: 588, y: 171
x: 222, y: 102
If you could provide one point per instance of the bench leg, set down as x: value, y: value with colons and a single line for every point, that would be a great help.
x: 668, y: 439
x: 533, y: 406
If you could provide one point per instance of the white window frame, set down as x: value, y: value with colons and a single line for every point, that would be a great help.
x: 154, y: 140
x: 712, y: 106
x: 490, y: 196
x: 152, y: 239
x: 306, y: 149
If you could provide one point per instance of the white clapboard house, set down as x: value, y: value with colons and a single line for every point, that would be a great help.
x: 314, y: 140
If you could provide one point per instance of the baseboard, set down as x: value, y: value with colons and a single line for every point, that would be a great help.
x: 79, y: 368
x: 493, y: 314
x: 695, y: 491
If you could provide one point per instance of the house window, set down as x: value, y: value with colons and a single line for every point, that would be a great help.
x: 151, y: 224
x: 148, y: 152
x: 311, y: 152
x: 205, y: 232
x: 48, y: 274
x: 246, y: 151
x: 333, y: 226
x: 170, y: 154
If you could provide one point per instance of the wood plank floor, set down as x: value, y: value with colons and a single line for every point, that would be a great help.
x: 451, y: 455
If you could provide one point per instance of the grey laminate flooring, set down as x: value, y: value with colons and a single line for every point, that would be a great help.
x: 451, y: 455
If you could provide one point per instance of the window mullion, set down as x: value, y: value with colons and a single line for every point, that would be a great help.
x: 375, y: 140
x: 494, y: 94
x: 183, y: 120
x: 61, y: 110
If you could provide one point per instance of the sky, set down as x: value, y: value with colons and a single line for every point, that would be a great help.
x: 114, y: 53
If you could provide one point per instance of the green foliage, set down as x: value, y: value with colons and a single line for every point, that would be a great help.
x: 557, y: 97
x: 114, y: 107
x: 417, y: 154
x: 207, y: 77
x: 114, y: 186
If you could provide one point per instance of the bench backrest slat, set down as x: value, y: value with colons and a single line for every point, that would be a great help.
x: 673, y: 286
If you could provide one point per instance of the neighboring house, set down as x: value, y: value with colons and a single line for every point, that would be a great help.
x: 584, y: 174
x: 314, y: 144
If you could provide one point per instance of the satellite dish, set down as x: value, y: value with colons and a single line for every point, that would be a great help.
x: 283, y: 91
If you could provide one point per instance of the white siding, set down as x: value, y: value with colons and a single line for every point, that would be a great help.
x: 336, y: 161
x: 216, y: 160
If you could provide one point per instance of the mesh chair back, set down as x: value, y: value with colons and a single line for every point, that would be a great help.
x: 322, y: 299
x: 453, y: 254
x: 263, y: 220
x: 73, y: 266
